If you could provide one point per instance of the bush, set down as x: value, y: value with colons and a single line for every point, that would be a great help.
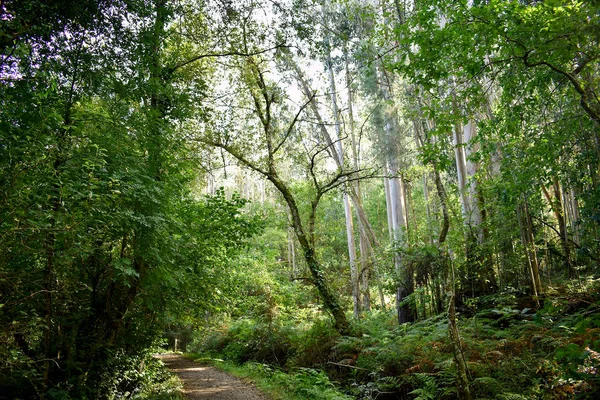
x: 298, y: 384
x: 314, y: 346
x: 249, y: 340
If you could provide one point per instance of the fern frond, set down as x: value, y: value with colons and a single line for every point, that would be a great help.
x: 512, y: 396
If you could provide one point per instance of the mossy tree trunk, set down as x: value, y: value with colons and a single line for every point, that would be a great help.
x: 264, y: 100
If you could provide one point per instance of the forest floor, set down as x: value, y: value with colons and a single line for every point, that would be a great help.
x: 206, y: 382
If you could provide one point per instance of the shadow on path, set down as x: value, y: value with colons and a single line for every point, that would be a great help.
x: 206, y: 382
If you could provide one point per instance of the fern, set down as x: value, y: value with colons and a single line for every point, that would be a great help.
x: 487, y: 380
x: 512, y: 396
x: 429, y: 389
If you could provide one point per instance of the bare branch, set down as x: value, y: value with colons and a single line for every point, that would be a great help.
x: 222, y: 54
x: 342, y: 178
x: 235, y: 154
x: 292, y: 124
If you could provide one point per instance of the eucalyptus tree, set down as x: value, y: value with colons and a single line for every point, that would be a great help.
x: 335, y: 30
x: 531, y: 69
x: 390, y: 137
x: 268, y: 131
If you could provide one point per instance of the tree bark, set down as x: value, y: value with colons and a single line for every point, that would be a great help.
x: 464, y: 392
x: 525, y: 226
x: 347, y: 209
x: 318, y: 279
x: 557, y: 207
x: 461, y: 170
x: 363, y: 221
x: 476, y: 217
x: 263, y: 99
x: 405, y: 281
x: 364, y: 244
x: 574, y: 216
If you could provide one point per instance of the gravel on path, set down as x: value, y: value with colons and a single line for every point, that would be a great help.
x: 206, y: 382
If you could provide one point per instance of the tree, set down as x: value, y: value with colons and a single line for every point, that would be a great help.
x: 265, y: 97
x: 97, y: 215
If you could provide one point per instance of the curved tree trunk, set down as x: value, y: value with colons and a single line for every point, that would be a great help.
x: 330, y: 301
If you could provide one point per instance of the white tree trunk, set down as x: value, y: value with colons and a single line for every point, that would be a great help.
x: 467, y: 183
x: 347, y: 208
x: 363, y: 222
x: 396, y: 203
x: 388, y: 201
x: 461, y: 169
x: 470, y: 132
x: 364, y: 270
x: 575, y: 216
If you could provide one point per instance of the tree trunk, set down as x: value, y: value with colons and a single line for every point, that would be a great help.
x: 263, y: 101
x: 364, y: 267
x: 529, y: 246
x: 396, y: 205
x: 557, y: 207
x: 464, y: 392
x: 347, y: 210
x: 365, y: 273
x: 388, y: 201
x: 427, y: 209
x: 476, y: 217
x: 461, y: 170
x: 443, y: 202
x: 574, y: 216
x: 363, y: 221
x: 330, y: 301
x: 291, y: 256
x: 480, y: 266
x: 405, y: 282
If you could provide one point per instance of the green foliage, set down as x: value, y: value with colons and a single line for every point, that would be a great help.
x: 301, y: 383
x: 531, y: 84
x: 428, y: 388
x: 279, y: 341
x: 107, y: 246
x: 159, y: 384
x: 506, y: 359
x: 103, y: 242
x: 314, y: 344
x: 142, y: 377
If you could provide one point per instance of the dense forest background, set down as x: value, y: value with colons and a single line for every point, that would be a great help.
x: 402, y: 196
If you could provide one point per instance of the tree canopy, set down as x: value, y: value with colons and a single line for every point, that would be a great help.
x: 297, y: 171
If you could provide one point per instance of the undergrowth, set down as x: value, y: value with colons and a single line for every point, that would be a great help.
x: 298, y: 384
x: 512, y: 351
x: 155, y: 382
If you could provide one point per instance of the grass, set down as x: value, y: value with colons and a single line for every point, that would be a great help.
x: 161, y: 383
x: 299, y: 384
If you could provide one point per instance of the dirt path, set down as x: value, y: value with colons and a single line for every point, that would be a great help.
x: 205, y: 382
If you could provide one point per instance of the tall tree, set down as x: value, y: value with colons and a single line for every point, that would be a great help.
x: 94, y: 178
x: 264, y: 98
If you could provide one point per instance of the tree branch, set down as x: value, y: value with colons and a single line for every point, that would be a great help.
x: 595, y: 115
x: 234, y: 153
x: 561, y: 236
x: 222, y: 54
x: 292, y: 124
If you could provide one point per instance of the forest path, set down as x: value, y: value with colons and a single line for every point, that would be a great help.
x: 206, y: 382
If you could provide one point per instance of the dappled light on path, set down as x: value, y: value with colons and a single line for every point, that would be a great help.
x: 205, y: 382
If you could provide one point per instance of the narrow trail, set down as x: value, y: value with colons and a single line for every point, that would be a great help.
x: 206, y: 382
